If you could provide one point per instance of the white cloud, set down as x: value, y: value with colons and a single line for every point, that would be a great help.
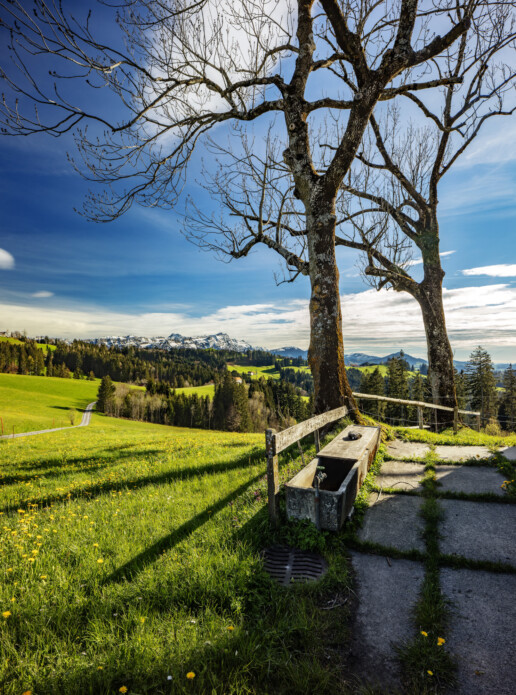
x: 504, y: 270
x: 43, y: 294
x: 6, y: 260
x: 418, y: 261
x: 375, y: 322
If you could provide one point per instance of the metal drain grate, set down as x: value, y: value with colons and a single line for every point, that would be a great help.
x: 287, y: 565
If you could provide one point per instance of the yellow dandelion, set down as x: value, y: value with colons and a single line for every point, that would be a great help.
x: 143, y: 619
x: 13, y: 600
x: 43, y: 576
x: 9, y: 569
x: 95, y: 545
x: 425, y: 634
x: 123, y: 689
x: 27, y: 692
x: 31, y: 559
x: 100, y: 668
x: 100, y: 561
x: 190, y: 675
x: 230, y: 628
x: 6, y: 614
x: 21, y: 511
x: 440, y: 641
x: 430, y: 673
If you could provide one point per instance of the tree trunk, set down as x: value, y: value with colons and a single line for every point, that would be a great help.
x: 326, y: 351
x: 440, y: 355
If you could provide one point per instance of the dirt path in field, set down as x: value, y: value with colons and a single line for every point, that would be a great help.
x: 86, y: 417
x: 481, y: 634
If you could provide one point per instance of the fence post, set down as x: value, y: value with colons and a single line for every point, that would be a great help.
x: 420, y: 418
x: 456, y: 419
x: 272, y: 476
x: 317, y: 441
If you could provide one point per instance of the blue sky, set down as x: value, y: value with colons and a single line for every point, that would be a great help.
x: 62, y: 275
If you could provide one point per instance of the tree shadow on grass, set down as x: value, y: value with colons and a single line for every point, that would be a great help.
x: 98, y: 489
x: 79, y: 460
x: 152, y: 553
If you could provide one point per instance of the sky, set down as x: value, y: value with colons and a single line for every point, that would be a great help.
x: 63, y: 276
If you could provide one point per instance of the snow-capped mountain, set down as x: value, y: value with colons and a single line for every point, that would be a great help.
x: 219, y: 341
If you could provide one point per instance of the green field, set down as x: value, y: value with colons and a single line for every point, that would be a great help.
x: 44, y: 346
x: 206, y: 390
x: 38, y: 402
x: 130, y: 558
x: 268, y: 371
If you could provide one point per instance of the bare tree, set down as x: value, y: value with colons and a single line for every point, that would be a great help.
x: 179, y: 69
x: 390, y: 205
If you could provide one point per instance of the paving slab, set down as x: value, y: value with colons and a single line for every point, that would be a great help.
x: 407, y: 450
x: 462, y: 453
x: 482, y: 631
x: 393, y: 521
x: 479, y: 530
x: 381, y: 621
x: 401, y: 475
x: 470, y: 479
x: 509, y: 452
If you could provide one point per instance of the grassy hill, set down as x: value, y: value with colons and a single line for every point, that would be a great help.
x: 43, y: 346
x: 40, y: 402
x: 131, y: 558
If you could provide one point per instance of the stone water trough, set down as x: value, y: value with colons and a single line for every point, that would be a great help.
x: 341, y: 467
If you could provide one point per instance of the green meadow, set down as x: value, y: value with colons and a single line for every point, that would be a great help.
x: 38, y: 402
x: 206, y: 390
x: 131, y: 562
x: 267, y: 371
x: 43, y: 346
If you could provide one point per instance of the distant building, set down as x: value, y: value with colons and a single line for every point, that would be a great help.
x: 238, y: 379
x: 251, y: 373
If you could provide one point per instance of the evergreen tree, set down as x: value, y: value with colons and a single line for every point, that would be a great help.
x: 106, y: 394
x: 482, y: 384
x: 507, y: 413
x: 397, y: 387
x: 461, y: 388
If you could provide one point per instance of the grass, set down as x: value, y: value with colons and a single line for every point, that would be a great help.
x: 465, y: 437
x: 267, y: 371
x: 43, y: 346
x: 38, y: 402
x: 206, y: 390
x: 132, y: 553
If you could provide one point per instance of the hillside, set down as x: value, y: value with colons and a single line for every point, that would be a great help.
x: 38, y: 402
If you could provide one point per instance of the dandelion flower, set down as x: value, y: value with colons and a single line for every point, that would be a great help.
x: 440, y: 641
x: 100, y: 561
x: 123, y: 689
x: 142, y: 619
x: 43, y: 576
x: 430, y: 673
x: 190, y: 675
x: 6, y: 614
x: 100, y: 668
x: 27, y: 692
x: 95, y: 545
x: 425, y: 634
x: 230, y: 628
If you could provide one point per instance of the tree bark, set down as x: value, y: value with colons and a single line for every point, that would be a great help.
x: 440, y: 356
x: 326, y: 351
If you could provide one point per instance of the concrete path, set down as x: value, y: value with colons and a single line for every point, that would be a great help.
x: 85, y: 421
x: 482, y: 631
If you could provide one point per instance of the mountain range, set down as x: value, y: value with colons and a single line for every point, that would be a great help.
x: 222, y: 341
